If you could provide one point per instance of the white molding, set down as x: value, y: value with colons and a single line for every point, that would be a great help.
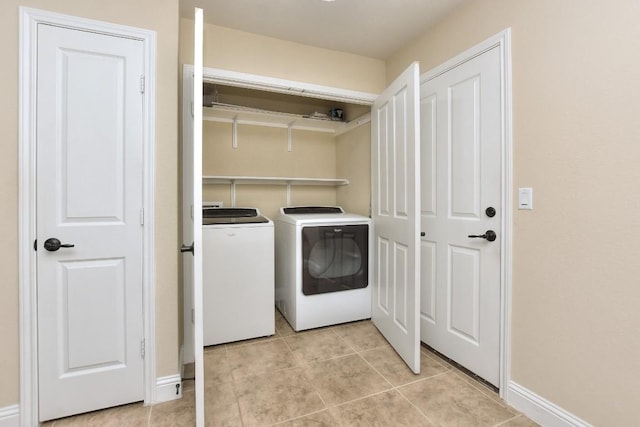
x: 540, y: 409
x: 188, y: 345
x: 166, y: 388
x: 291, y: 87
x: 10, y: 416
x: 507, y: 206
x: 29, y: 20
x: 502, y: 41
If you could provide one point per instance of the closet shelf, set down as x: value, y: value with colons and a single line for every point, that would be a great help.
x: 273, y: 180
x: 252, y: 116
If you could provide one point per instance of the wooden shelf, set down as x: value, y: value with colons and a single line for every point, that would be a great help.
x: 252, y: 116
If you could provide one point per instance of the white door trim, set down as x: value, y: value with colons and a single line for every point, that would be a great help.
x: 29, y: 20
x: 501, y: 40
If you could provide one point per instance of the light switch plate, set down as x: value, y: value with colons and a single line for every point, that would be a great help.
x: 525, y: 198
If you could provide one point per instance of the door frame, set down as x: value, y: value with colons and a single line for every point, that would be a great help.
x: 257, y: 82
x: 29, y: 20
x: 502, y: 41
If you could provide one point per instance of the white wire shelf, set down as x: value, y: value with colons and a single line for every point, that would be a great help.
x: 234, y: 181
x: 273, y: 180
x: 252, y: 116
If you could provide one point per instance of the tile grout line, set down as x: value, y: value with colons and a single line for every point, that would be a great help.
x: 304, y: 374
x: 296, y: 366
x: 293, y: 356
x: 397, y: 388
x: 375, y: 370
x: 466, y: 378
x: 151, y: 409
x: 417, y: 409
x: 482, y: 389
x: 507, y: 421
x: 298, y: 417
x: 233, y: 386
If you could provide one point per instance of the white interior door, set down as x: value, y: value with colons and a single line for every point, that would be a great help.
x: 395, y: 157
x: 89, y: 135
x: 192, y: 213
x: 461, y: 182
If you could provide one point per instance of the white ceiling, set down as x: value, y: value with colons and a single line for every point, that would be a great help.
x: 373, y: 28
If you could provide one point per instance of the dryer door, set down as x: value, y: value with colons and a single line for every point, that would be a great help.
x: 335, y: 258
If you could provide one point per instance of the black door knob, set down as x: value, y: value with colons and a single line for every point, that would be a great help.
x: 187, y: 248
x: 490, y: 235
x: 52, y: 244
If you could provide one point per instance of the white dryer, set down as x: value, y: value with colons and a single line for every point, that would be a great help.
x: 322, y: 266
x: 238, y: 275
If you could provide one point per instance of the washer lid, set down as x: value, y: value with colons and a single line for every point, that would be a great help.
x: 212, y: 215
x: 308, y: 210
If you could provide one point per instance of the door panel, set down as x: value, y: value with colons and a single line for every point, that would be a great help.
x: 89, y: 194
x: 428, y: 169
x: 461, y: 143
x: 395, y: 211
x: 464, y: 159
x: 463, y: 292
x: 428, y: 277
x: 100, y: 280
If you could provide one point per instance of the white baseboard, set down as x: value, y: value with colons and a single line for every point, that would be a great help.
x: 10, y: 416
x: 539, y: 409
x: 166, y: 388
x: 165, y: 391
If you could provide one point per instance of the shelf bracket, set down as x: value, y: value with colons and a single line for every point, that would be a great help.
x: 234, y: 132
x: 289, y: 143
x: 233, y: 193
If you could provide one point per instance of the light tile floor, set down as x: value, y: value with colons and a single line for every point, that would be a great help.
x: 344, y: 375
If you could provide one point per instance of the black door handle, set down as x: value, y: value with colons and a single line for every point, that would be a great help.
x: 422, y: 234
x: 187, y: 248
x: 52, y: 244
x: 490, y: 235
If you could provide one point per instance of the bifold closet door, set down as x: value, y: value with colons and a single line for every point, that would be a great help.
x: 395, y: 194
x: 192, y: 212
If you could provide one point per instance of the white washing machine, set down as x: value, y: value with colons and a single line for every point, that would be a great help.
x: 238, y: 275
x: 323, y: 266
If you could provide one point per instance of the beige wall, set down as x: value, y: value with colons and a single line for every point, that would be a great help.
x: 158, y: 15
x: 576, y: 141
x: 353, y: 154
x: 262, y: 151
x: 250, y: 53
x: 254, y: 54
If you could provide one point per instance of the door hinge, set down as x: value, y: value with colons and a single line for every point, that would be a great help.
x: 35, y: 245
x: 141, y: 216
x: 192, y: 109
x: 142, y: 348
x: 142, y: 84
x: 193, y: 316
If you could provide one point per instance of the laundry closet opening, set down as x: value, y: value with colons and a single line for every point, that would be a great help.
x: 269, y: 150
